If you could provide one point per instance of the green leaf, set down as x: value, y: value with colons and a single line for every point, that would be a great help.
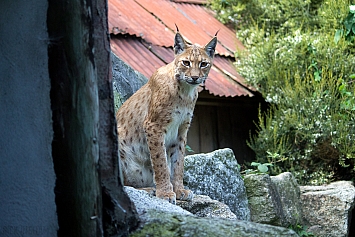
x: 338, y: 35
x: 189, y: 149
x: 342, y: 89
x: 263, y: 168
x: 268, y: 164
x: 254, y: 164
x: 352, y: 76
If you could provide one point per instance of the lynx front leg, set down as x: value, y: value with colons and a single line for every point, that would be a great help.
x: 155, y: 141
x: 177, y: 165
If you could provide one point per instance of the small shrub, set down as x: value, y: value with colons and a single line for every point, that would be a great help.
x: 257, y: 168
x: 301, y: 230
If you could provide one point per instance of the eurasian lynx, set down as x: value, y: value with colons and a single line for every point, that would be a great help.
x: 153, y: 123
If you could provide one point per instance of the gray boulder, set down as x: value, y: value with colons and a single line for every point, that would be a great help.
x: 159, y: 218
x: 204, y: 206
x: 327, y: 209
x: 216, y: 175
x: 274, y: 200
x: 126, y: 80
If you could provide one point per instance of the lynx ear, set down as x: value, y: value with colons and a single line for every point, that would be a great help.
x: 211, y: 46
x: 179, y: 44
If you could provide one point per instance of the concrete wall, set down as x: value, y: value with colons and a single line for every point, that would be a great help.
x: 27, y: 179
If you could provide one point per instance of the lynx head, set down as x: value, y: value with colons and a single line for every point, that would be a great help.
x: 192, y: 62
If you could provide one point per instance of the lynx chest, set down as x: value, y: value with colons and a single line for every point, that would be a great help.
x: 180, y: 121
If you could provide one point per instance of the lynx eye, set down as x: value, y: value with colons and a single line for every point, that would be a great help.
x: 186, y: 63
x: 203, y: 64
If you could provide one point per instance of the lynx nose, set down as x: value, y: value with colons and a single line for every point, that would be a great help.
x: 194, y: 78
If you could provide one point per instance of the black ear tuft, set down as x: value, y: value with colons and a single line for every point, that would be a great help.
x: 177, y: 28
x: 215, y: 35
x: 179, y: 44
x: 211, y: 47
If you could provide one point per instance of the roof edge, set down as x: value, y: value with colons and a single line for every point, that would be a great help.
x: 199, y: 2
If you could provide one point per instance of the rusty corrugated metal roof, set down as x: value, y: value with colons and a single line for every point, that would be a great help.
x: 142, y: 34
x: 134, y: 53
x: 191, y: 1
x: 208, y: 23
x: 128, y: 17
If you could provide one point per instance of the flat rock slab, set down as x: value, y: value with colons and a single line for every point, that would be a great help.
x: 204, y: 206
x: 145, y: 202
x: 162, y: 224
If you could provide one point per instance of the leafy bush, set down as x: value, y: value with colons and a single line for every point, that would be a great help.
x: 273, y: 15
x: 310, y: 130
x: 305, y: 69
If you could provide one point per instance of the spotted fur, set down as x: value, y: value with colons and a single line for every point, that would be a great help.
x: 153, y: 123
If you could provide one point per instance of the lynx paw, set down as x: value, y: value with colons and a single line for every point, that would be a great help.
x: 184, y: 194
x: 169, y: 196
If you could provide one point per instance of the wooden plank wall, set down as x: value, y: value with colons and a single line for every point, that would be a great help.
x: 219, y: 126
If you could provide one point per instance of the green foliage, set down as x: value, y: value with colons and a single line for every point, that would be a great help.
x: 305, y: 69
x: 348, y: 31
x: 301, y: 230
x: 272, y: 15
x: 189, y: 149
x: 228, y: 10
x: 310, y: 130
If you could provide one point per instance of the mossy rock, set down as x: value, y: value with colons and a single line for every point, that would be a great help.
x: 167, y: 224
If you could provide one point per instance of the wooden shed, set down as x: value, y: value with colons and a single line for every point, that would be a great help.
x: 221, y: 122
x: 142, y: 35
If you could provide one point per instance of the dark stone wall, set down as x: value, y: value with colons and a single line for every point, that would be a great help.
x: 27, y: 179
